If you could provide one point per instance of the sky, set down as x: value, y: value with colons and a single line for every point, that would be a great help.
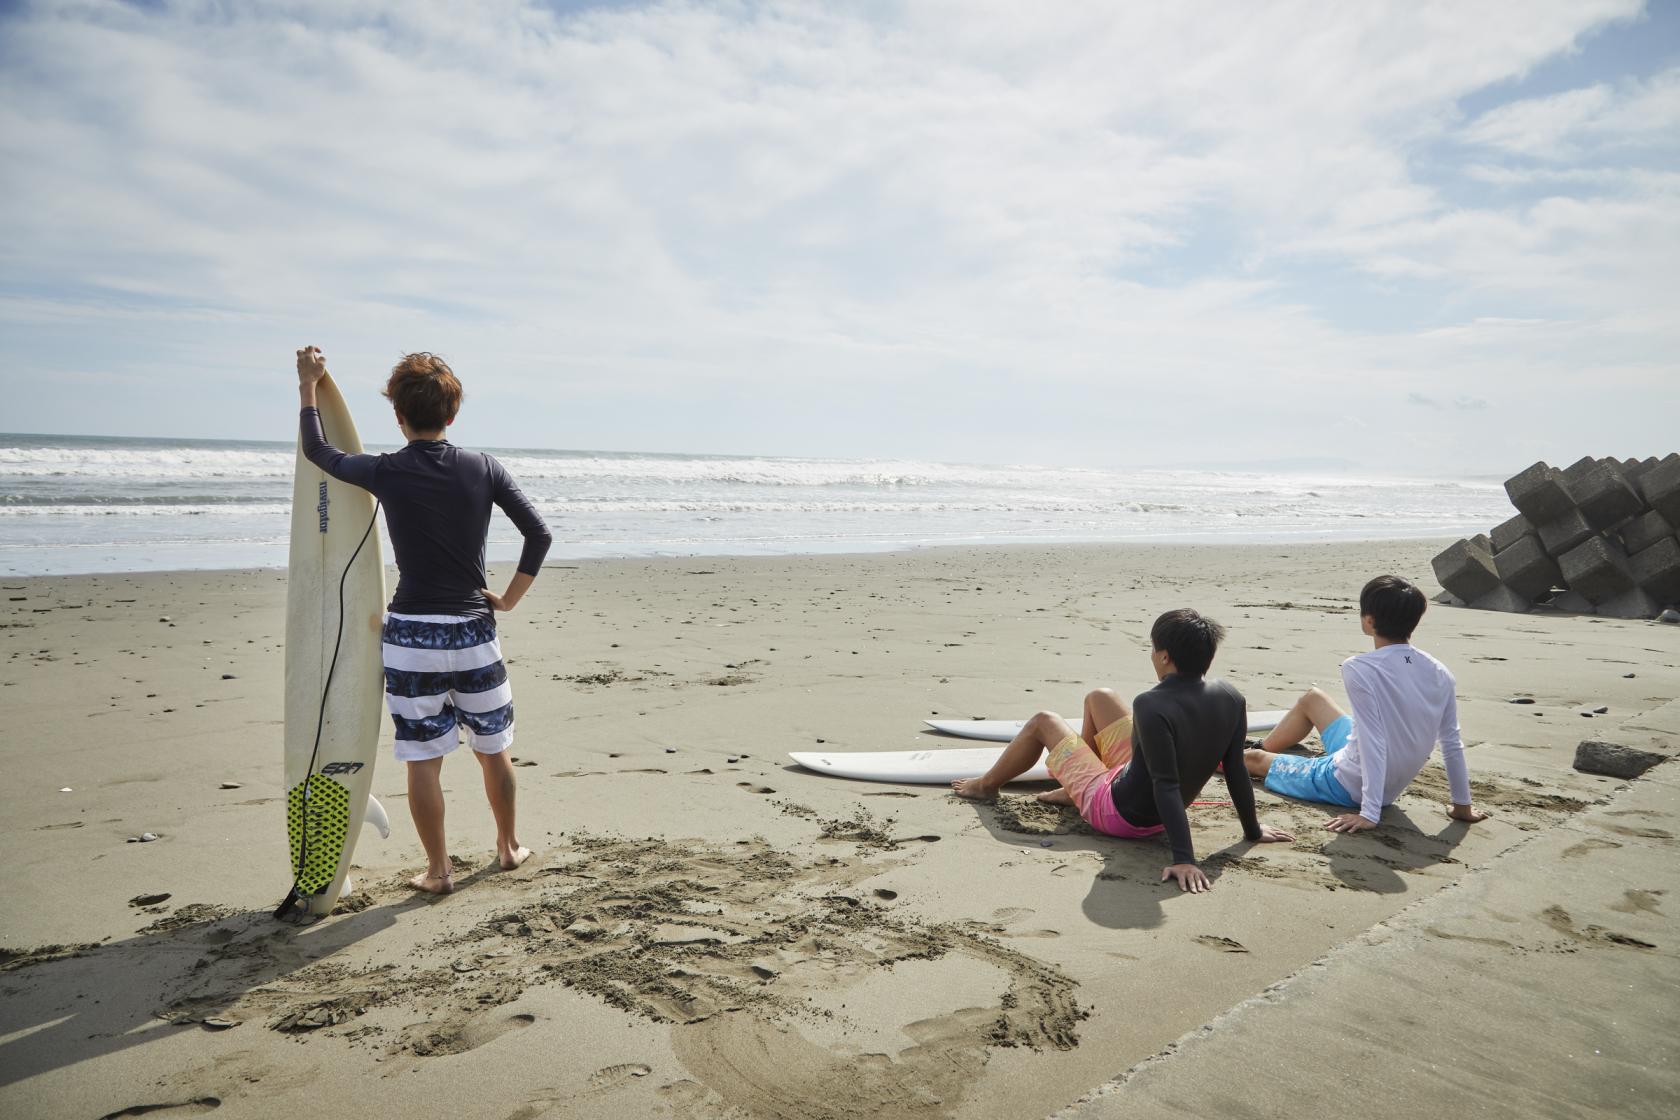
x: 1423, y: 238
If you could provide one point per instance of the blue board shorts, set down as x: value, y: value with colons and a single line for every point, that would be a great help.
x: 1314, y: 779
x: 444, y: 673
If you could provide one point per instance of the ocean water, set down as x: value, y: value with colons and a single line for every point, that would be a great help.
x: 98, y: 504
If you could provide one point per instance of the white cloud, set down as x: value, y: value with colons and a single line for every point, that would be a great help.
x: 804, y: 227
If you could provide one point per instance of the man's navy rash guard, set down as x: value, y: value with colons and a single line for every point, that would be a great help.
x: 1181, y: 729
x: 437, y: 500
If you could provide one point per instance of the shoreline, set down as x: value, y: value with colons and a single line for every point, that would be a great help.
x: 510, y: 552
x: 806, y: 938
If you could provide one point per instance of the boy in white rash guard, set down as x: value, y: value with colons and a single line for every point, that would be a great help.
x: 1404, y: 702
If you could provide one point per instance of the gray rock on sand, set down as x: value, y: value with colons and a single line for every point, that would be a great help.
x: 1594, y: 756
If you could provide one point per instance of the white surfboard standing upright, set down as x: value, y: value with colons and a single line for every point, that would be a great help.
x: 335, y: 603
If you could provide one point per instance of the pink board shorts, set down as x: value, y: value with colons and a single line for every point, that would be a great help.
x: 1087, y: 776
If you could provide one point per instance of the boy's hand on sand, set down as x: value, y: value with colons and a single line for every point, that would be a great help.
x: 311, y: 365
x: 1349, y: 822
x: 1188, y: 876
x: 1270, y: 835
x: 1467, y: 813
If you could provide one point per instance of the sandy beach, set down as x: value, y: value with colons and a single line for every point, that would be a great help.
x: 707, y: 931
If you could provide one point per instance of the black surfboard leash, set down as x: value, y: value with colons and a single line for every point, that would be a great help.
x: 293, y: 896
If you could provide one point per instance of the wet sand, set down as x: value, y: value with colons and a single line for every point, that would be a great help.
x: 707, y: 931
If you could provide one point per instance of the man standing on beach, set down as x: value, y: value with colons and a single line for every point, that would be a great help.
x: 1404, y: 702
x: 443, y: 662
x: 1184, y: 729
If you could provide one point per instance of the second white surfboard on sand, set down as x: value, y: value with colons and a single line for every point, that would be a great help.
x: 940, y: 765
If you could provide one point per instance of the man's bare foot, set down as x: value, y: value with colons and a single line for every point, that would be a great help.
x: 511, y: 858
x: 1057, y: 796
x: 975, y: 789
x: 434, y: 884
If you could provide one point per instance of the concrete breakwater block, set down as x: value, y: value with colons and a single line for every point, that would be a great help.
x: 1660, y: 487
x: 1539, y: 493
x: 1637, y: 603
x: 1508, y: 533
x: 1503, y: 598
x: 1563, y: 533
x: 1597, y: 568
x: 1525, y: 568
x: 1644, y: 531
x: 1466, y: 569
x: 1571, y: 602
x: 1657, y: 570
x: 1594, y: 756
x: 1603, y: 495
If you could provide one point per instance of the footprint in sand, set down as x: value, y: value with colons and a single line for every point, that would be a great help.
x: 458, y: 1038
x: 182, y: 1108
x: 1011, y: 913
x: 755, y: 789
x: 1222, y: 944
x: 611, y: 1077
x: 1590, y: 845
x: 56, y: 827
x: 1633, y: 902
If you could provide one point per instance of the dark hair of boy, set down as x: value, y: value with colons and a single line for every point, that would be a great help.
x: 1189, y: 639
x: 1395, y: 606
x: 424, y: 391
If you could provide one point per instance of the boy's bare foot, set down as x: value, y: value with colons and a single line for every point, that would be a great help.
x: 1057, y: 796
x: 975, y: 789
x: 434, y: 884
x: 511, y: 858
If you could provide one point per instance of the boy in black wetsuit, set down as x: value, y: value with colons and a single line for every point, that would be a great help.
x: 1133, y: 775
x: 443, y: 663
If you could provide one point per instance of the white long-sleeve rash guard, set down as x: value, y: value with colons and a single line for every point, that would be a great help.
x: 1404, y: 702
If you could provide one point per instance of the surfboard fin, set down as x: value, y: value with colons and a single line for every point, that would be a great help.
x: 376, y: 817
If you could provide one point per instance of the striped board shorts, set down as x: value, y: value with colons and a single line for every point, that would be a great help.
x: 444, y: 672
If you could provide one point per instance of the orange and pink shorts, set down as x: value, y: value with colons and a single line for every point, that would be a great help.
x: 1087, y: 777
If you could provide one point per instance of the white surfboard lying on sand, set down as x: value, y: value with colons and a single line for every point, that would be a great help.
x: 1003, y: 730
x: 930, y: 767
x: 335, y: 603
x: 940, y: 765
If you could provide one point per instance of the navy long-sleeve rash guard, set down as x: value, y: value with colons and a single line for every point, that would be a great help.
x: 1182, y: 729
x: 437, y: 500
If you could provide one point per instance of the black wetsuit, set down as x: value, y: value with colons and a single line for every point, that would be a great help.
x: 437, y: 500
x: 1182, y: 729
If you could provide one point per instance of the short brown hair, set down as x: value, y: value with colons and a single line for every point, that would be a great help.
x: 424, y: 391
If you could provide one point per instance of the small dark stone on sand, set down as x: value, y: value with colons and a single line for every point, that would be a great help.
x: 229, y: 677
x: 822, y: 740
x: 165, y: 618
x: 1520, y: 700
x: 232, y: 785
x: 149, y: 899
x: 1603, y: 710
x: 734, y: 760
x: 1627, y: 676
x: 1044, y: 843
x: 883, y: 892
x: 1594, y: 756
x: 670, y: 750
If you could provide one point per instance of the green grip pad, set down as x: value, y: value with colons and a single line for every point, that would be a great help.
x: 328, y: 827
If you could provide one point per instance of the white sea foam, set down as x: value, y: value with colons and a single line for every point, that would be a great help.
x: 87, y: 504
